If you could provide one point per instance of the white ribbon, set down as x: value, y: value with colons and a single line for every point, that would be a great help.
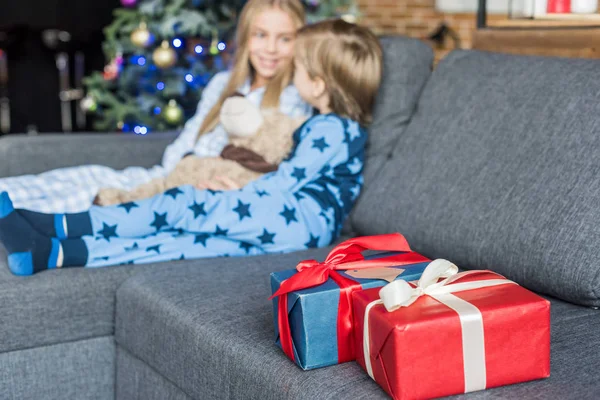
x: 401, y: 294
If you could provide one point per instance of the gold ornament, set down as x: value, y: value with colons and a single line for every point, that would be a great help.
x: 214, y: 44
x: 164, y: 56
x: 120, y: 125
x: 172, y: 113
x: 351, y: 18
x: 351, y: 14
x: 141, y: 37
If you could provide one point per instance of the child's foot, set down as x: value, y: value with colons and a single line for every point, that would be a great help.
x: 28, y: 250
x: 51, y: 225
x: 59, y: 226
x: 6, y: 206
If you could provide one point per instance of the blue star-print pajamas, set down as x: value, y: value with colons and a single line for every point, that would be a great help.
x: 301, y: 205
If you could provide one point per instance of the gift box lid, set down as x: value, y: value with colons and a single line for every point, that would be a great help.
x: 410, y: 272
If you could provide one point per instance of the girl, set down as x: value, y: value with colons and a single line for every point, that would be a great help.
x: 301, y: 205
x: 262, y: 72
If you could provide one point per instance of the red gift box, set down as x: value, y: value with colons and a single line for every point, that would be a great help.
x: 470, y: 331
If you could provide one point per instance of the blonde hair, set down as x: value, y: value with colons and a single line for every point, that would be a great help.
x: 242, y: 68
x: 349, y: 59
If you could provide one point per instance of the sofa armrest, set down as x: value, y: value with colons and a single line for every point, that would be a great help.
x: 20, y: 154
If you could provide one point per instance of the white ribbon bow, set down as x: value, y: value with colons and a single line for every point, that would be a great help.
x: 400, y: 294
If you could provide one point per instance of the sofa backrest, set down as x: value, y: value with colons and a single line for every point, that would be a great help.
x: 499, y: 169
x: 406, y: 69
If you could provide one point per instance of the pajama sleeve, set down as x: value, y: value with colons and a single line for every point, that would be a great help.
x: 322, y: 144
x: 186, y: 140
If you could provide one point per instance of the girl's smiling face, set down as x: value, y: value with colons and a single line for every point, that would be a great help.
x: 271, y: 44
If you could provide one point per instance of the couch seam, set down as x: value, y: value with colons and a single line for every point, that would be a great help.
x: 119, y: 347
x: 58, y: 343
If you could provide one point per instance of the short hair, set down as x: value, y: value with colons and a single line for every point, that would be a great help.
x: 349, y: 59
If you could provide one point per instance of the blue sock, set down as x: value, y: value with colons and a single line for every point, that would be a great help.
x: 28, y: 250
x: 61, y: 226
x: 75, y: 253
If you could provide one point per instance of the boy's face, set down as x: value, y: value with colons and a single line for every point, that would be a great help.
x: 306, y: 86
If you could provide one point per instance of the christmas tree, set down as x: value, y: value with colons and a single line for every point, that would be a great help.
x: 162, y: 53
x: 317, y: 10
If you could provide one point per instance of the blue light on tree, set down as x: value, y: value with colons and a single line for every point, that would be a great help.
x: 189, y: 78
x: 177, y: 43
x: 221, y: 46
x: 160, y: 85
x: 140, y: 130
x: 141, y: 61
x: 198, y: 49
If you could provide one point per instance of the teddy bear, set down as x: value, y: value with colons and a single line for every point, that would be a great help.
x: 259, y: 141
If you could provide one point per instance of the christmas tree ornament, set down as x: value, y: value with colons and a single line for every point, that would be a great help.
x: 351, y: 18
x: 312, y: 5
x: 128, y: 3
x: 120, y: 125
x: 112, y: 70
x: 164, y: 56
x: 172, y: 113
x: 214, y: 43
x: 141, y: 36
x: 89, y: 104
x: 351, y: 13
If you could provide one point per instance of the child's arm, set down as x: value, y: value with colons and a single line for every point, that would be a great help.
x: 187, y: 138
x: 322, y: 143
x: 219, y: 183
x: 246, y: 158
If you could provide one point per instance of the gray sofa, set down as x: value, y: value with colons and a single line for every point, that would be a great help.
x: 490, y: 161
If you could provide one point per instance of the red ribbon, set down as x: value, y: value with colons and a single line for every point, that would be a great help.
x: 346, y: 255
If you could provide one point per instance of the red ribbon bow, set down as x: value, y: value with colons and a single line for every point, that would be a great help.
x: 344, y: 256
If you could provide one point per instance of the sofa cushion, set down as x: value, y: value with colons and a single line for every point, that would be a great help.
x: 57, y: 306
x: 207, y: 327
x: 135, y: 380
x: 498, y: 169
x: 82, y: 370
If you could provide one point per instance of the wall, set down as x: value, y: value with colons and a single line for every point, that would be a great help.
x: 416, y: 18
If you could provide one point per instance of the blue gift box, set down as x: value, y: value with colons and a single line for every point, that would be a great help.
x: 313, y: 313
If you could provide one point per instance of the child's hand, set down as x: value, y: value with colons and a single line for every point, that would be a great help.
x: 219, y: 183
